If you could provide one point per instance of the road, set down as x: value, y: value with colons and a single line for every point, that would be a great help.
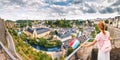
x: 11, y: 45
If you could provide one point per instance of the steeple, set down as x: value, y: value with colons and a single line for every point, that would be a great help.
x: 34, y: 33
x: 27, y: 24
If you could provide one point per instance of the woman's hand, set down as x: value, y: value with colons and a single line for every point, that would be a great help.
x: 110, y: 38
x: 89, y: 44
x: 83, y: 45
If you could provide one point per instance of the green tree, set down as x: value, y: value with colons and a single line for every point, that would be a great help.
x: 42, y: 42
x: 93, y: 34
x: 70, y: 50
x: 33, y: 41
x: 62, y: 58
x: 23, y: 36
x: 106, y: 21
x: 23, y: 23
x: 58, y: 42
x: 56, y: 59
x: 56, y: 32
x: 14, y: 32
x: 97, y: 29
x: 72, y: 35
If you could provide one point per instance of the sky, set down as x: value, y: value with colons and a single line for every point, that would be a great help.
x: 58, y: 9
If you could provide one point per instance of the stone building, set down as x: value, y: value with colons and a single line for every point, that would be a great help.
x: 116, y: 22
x: 37, y: 32
x: 9, y: 24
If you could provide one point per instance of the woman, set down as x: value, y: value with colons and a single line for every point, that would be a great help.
x: 103, y: 41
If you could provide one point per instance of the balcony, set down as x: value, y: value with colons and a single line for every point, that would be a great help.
x: 90, y: 53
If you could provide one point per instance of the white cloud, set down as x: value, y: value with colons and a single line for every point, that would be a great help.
x: 39, y: 9
x: 59, y: 0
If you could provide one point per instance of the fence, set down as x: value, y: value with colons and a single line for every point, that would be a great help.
x: 74, y: 52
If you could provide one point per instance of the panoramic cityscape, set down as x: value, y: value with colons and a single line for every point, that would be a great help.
x: 58, y: 29
x: 51, y: 39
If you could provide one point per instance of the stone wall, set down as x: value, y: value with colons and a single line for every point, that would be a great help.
x: 3, y: 55
x: 2, y: 32
x: 114, y: 32
x: 114, y: 54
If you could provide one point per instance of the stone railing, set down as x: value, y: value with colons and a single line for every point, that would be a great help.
x: 75, y: 51
x: 7, y: 52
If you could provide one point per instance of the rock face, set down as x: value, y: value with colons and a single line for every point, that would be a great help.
x: 2, y: 32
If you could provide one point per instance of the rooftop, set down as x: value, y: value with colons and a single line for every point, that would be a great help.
x: 38, y: 30
x: 65, y: 33
x: 82, y: 38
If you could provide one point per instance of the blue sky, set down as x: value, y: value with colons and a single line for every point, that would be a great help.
x: 57, y: 9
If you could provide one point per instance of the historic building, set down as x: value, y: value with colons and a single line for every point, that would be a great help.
x: 116, y: 22
x: 64, y: 35
x: 37, y: 32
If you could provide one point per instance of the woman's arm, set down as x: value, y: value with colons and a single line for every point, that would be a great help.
x: 90, y: 44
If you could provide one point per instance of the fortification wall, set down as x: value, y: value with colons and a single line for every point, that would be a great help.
x: 2, y: 32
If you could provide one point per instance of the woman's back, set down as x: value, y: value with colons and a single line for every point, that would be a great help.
x: 103, y: 40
